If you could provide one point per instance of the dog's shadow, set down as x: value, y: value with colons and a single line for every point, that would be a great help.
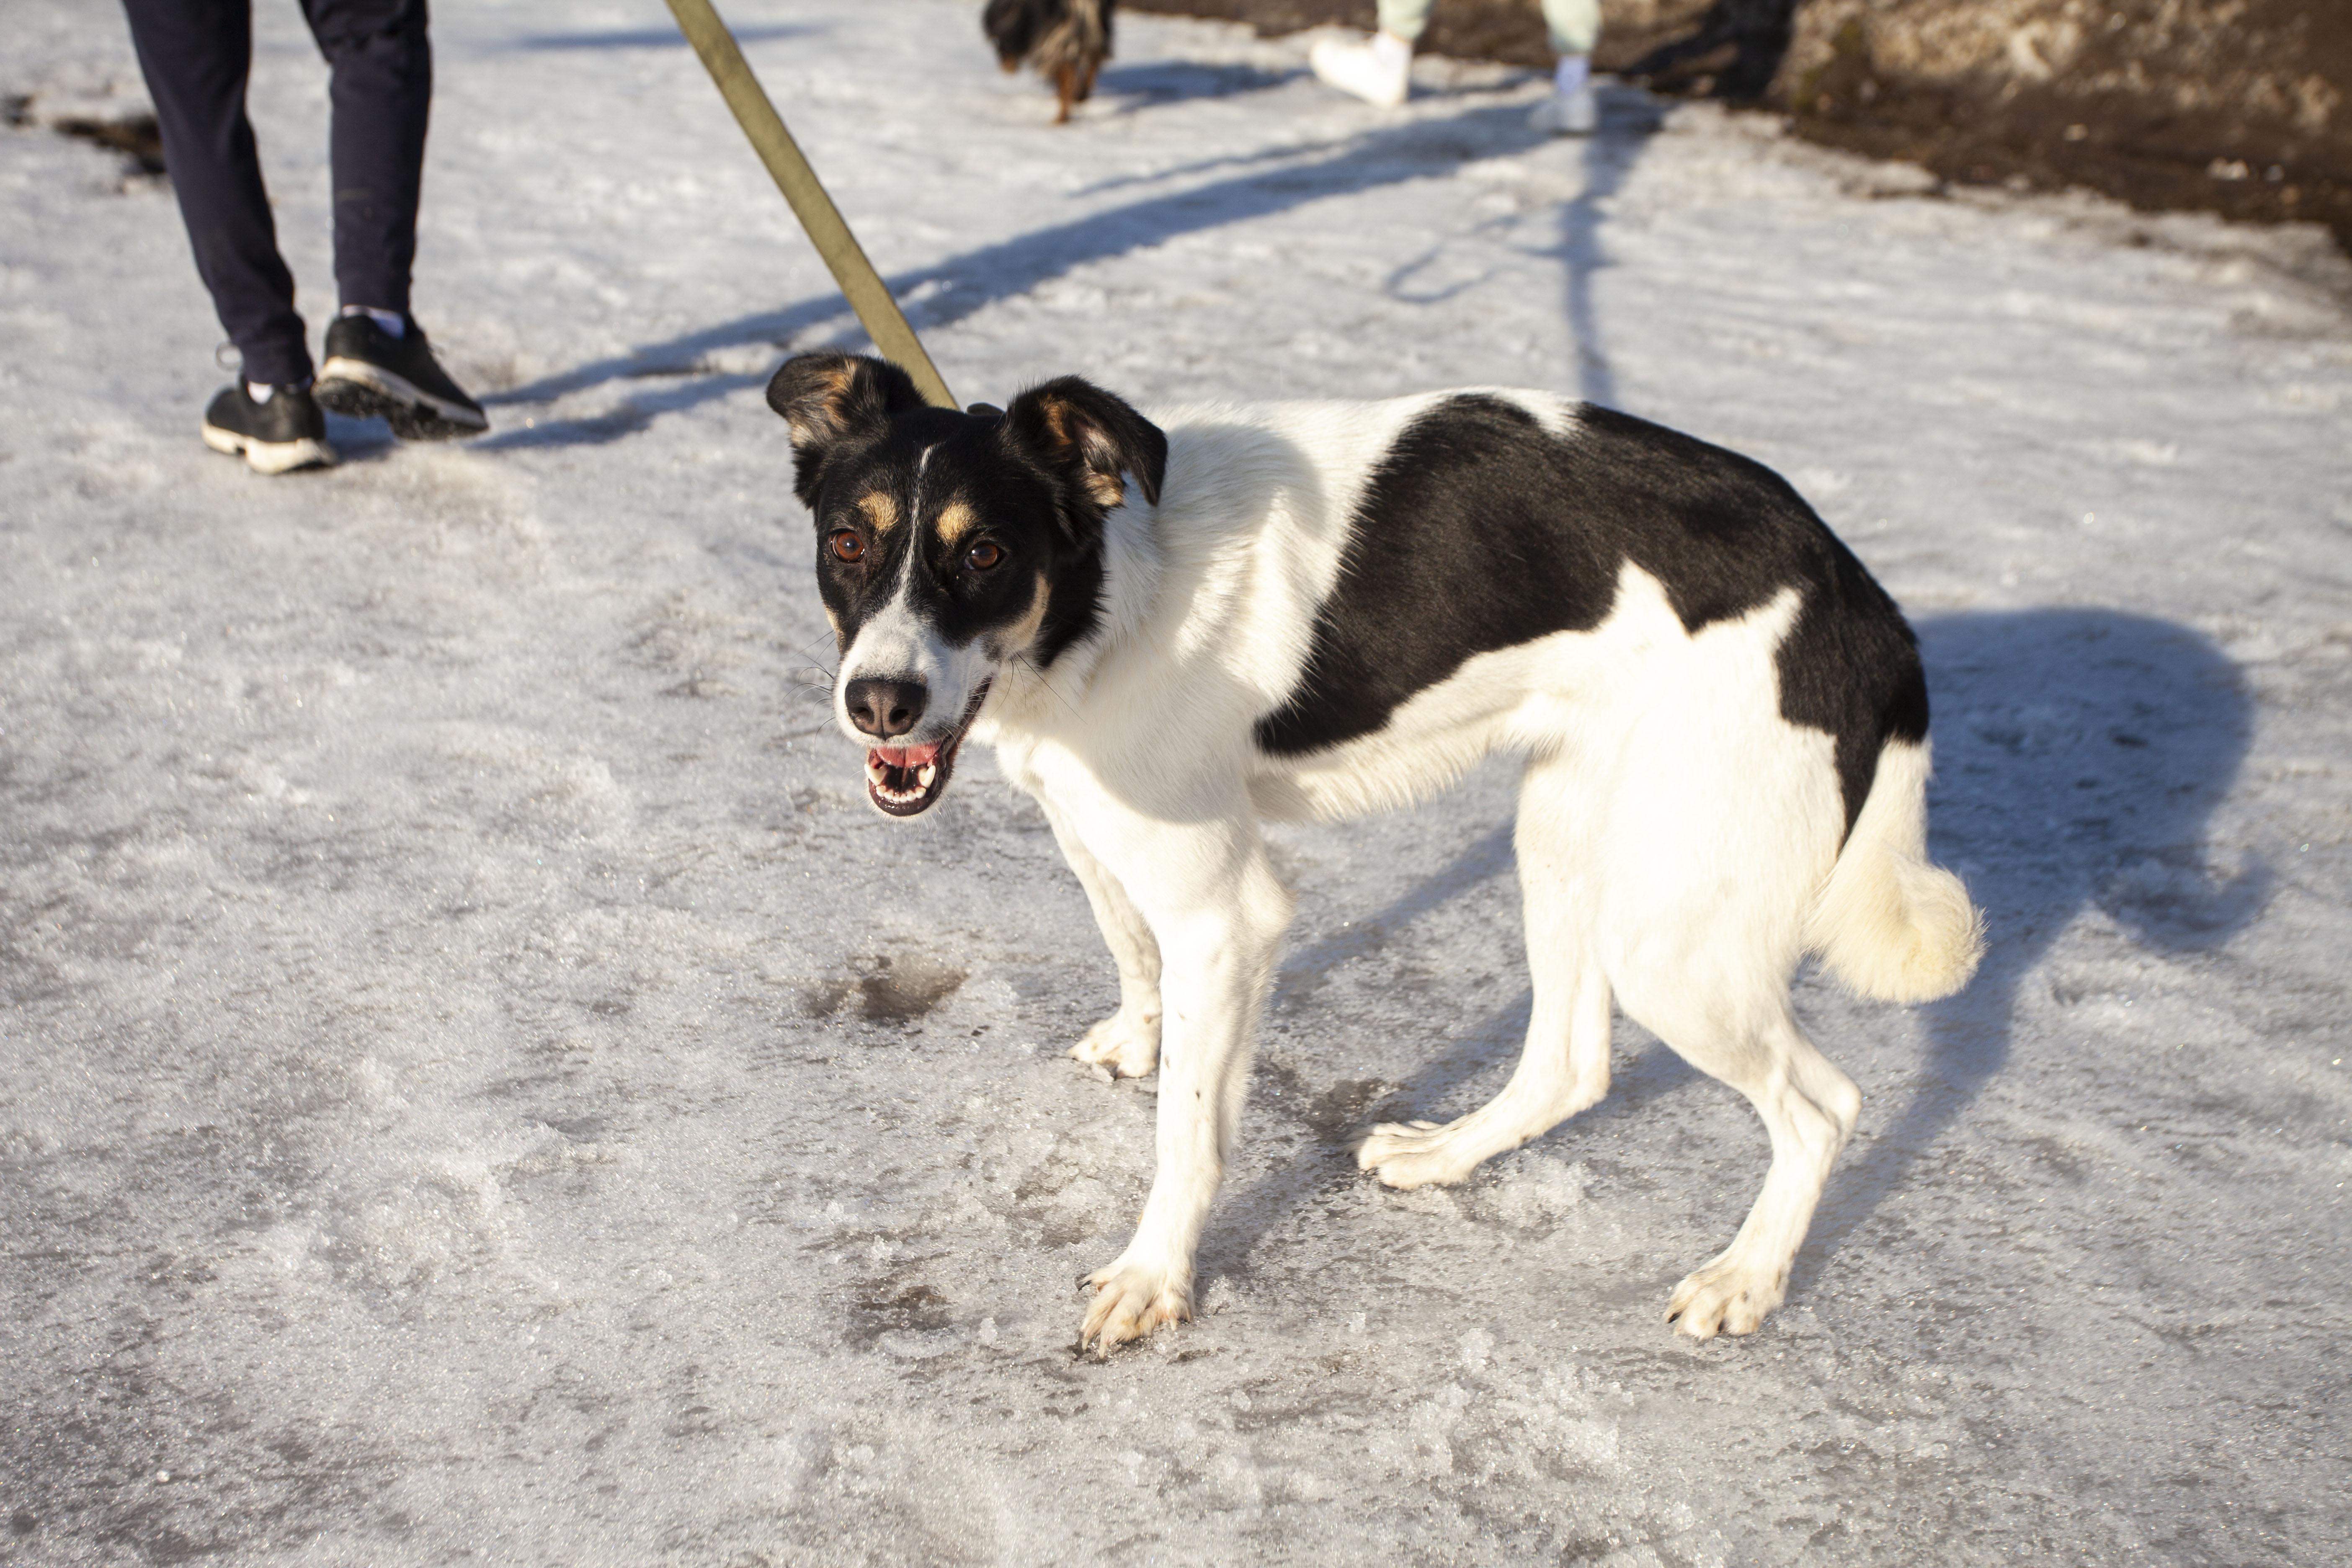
x: 1148, y: 84
x: 2079, y: 754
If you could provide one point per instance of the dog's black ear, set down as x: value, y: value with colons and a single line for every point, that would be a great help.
x: 835, y: 403
x: 1012, y: 26
x: 1087, y: 438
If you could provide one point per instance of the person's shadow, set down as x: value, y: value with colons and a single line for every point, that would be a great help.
x: 936, y: 296
x: 2079, y: 753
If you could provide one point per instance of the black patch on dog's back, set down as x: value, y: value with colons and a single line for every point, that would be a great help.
x: 1483, y: 529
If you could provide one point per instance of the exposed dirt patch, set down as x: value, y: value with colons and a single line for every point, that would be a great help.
x: 1511, y: 31
x: 885, y: 1306
x: 888, y: 990
x: 2238, y: 107
x: 134, y: 135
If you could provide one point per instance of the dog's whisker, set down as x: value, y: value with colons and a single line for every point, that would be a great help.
x: 1044, y: 680
x: 802, y: 651
x: 815, y: 682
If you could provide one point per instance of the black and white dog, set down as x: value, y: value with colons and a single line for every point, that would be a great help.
x: 1172, y: 632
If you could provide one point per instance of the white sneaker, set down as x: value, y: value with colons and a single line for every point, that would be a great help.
x: 1379, y: 71
x: 1567, y: 114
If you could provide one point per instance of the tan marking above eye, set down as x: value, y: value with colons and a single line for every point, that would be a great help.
x: 955, y: 519
x: 879, y: 509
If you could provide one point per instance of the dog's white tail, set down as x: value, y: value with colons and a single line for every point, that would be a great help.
x: 1888, y: 923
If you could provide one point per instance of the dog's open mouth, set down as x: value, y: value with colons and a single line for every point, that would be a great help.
x: 904, y: 779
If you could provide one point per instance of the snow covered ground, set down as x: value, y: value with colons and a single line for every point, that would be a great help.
x: 477, y: 1083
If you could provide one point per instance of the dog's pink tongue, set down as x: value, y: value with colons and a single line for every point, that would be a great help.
x: 906, y: 756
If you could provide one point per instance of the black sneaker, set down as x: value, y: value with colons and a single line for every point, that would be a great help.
x: 274, y: 438
x: 370, y: 374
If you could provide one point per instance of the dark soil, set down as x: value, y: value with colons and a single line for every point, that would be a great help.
x: 1511, y: 31
x: 2106, y: 123
x: 138, y: 139
x: 2134, y: 145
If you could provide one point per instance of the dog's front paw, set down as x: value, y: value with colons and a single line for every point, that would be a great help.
x: 1127, y: 1043
x: 1130, y: 1300
x: 1724, y: 1297
x: 1415, y: 1154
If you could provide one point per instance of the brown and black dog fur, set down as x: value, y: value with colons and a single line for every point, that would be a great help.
x: 1067, y: 40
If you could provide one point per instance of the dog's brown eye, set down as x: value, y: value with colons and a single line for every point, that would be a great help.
x: 983, y: 555
x: 846, y: 545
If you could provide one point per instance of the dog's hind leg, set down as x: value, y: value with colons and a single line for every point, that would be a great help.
x: 1128, y: 1042
x: 1809, y: 1108
x: 1721, y: 826
x: 1066, y: 87
x: 1565, y: 1066
x: 1700, y: 927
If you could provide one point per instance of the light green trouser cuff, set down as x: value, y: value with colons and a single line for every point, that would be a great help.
x: 1573, y: 25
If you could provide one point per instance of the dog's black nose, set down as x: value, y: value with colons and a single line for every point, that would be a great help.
x: 885, y: 708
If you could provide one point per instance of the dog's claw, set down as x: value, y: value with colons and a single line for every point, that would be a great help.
x: 1725, y: 1298
x: 1125, y: 1045
x: 1131, y: 1300
x: 1413, y: 1154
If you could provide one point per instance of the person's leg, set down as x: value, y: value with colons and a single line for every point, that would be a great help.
x: 378, y: 363
x: 1380, y: 69
x: 381, y: 94
x: 196, y: 55
x: 1574, y: 27
x: 1405, y: 19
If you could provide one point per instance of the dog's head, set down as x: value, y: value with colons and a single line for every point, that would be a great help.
x: 950, y: 545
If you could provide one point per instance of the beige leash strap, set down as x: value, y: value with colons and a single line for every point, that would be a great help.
x: 868, y: 295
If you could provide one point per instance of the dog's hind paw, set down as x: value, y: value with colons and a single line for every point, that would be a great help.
x: 1724, y: 1297
x: 1415, y: 1154
x: 1131, y: 1300
x: 1127, y: 1043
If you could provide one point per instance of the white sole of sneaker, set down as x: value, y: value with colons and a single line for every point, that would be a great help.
x: 359, y: 390
x: 270, y: 457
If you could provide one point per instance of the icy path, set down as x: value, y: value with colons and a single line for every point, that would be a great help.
x: 478, y: 1084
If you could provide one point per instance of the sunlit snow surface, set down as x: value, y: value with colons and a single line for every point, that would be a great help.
x: 477, y: 1083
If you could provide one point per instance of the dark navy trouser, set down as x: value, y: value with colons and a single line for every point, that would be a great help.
x: 197, y: 54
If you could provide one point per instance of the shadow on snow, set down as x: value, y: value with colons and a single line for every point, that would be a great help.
x: 1151, y: 83
x: 1628, y: 121
x: 942, y: 295
x: 656, y: 37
